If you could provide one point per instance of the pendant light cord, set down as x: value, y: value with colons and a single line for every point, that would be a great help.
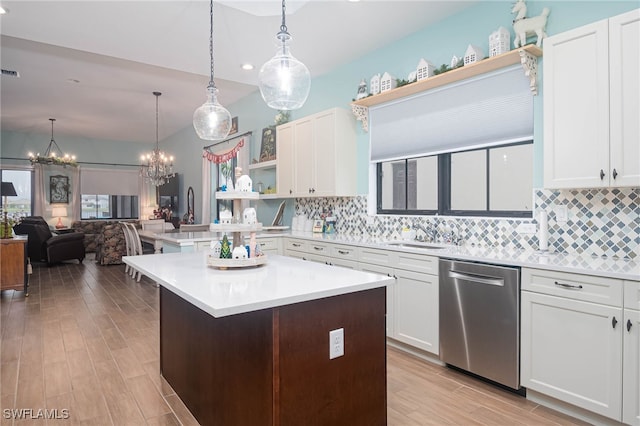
x: 283, y: 27
x: 212, y: 84
x: 157, y: 95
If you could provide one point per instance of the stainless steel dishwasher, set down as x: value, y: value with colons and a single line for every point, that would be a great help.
x: 480, y: 320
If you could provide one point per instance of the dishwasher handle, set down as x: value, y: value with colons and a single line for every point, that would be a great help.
x: 476, y: 278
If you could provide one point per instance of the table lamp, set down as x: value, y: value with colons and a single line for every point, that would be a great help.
x: 7, y: 190
x: 60, y: 212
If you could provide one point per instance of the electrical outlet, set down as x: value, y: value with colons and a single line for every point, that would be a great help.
x: 526, y: 228
x: 336, y: 343
x: 561, y: 213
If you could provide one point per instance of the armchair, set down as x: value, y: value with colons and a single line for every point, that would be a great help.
x: 42, y: 245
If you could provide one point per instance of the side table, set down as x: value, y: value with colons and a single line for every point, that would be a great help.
x: 13, y: 264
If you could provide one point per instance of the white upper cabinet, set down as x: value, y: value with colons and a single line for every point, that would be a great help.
x: 317, y: 155
x: 591, y: 105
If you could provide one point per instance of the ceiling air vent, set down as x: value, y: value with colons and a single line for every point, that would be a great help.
x: 10, y: 73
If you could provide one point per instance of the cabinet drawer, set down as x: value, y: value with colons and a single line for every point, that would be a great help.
x: 295, y: 245
x: 588, y: 288
x: 343, y: 252
x: 268, y: 245
x: 417, y: 263
x: 632, y: 295
x: 377, y: 257
x: 318, y: 248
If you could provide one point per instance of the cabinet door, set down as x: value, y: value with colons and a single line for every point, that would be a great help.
x: 285, y: 160
x: 624, y: 69
x: 570, y: 350
x: 416, y: 310
x: 324, y: 154
x: 391, y: 291
x: 303, y: 158
x: 631, y: 368
x: 576, y: 108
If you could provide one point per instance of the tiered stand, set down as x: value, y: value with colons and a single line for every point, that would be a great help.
x: 236, y: 229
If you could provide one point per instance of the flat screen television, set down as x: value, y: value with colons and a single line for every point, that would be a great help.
x: 168, y: 194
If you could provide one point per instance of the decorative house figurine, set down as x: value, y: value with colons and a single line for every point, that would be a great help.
x: 225, y: 216
x: 473, y: 55
x: 455, y: 62
x: 499, y: 42
x: 362, y: 90
x: 523, y: 26
x: 239, y: 253
x: 244, y: 184
x: 424, y: 70
x: 374, y: 84
x: 249, y: 216
x: 411, y: 78
x: 387, y: 82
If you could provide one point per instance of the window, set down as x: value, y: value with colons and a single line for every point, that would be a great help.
x: 109, y: 206
x: 109, y: 194
x: 22, y: 204
x: 493, y: 181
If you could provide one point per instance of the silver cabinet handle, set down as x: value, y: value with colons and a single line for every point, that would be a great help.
x: 318, y: 248
x: 476, y: 278
x: 571, y: 286
x: 295, y: 244
x: 343, y: 252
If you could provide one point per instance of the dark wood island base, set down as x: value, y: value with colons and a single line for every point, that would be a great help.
x: 272, y: 366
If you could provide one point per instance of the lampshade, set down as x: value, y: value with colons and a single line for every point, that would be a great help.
x: 8, y: 190
x: 59, y: 212
x: 211, y: 120
x: 284, y: 81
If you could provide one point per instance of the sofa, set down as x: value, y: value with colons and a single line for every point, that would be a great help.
x: 105, y: 238
x: 44, y: 246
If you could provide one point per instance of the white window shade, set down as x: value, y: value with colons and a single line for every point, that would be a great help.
x: 109, y: 182
x: 487, y: 110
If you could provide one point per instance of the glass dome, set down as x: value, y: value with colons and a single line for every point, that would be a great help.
x: 211, y: 120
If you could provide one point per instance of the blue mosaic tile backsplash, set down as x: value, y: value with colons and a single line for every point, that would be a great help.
x: 600, y: 222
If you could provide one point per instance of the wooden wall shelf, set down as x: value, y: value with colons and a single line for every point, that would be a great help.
x: 527, y: 56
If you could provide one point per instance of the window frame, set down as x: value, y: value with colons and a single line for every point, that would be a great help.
x: 444, y: 189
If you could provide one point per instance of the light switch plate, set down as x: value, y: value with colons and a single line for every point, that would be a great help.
x: 561, y: 213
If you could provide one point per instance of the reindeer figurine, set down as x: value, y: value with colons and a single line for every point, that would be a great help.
x: 523, y: 26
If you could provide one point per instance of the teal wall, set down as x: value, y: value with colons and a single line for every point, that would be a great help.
x: 437, y: 43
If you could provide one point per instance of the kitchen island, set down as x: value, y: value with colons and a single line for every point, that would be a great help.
x: 251, y: 346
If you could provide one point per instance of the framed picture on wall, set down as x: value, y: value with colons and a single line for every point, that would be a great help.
x: 234, y: 126
x: 268, y: 147
x: 59, y: 189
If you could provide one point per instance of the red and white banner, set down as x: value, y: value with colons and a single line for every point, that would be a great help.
x: 223, y: 158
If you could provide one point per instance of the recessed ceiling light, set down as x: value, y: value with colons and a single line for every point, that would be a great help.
x: 3, y: 10
x: 73, y: 80
x: 247, y: 67
x: 353, y: 1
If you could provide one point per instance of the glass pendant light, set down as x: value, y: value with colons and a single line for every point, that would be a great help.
x: 211, y: 120
x: 284, y: 81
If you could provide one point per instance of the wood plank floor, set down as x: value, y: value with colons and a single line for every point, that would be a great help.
x: 85, y: 346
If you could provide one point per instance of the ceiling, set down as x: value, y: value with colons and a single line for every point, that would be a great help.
x: 93, y: 65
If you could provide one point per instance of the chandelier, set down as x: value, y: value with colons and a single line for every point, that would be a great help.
x: 53, y: 154
x: 211, y: 120
x: 156, y: 167
x: 284, y: 81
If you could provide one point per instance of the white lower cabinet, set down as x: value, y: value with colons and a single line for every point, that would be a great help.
x: 391, y: 293
x: 416, y: 310
x: 571, y: 351
x: 412, y: 302
x: 631, y: 354
x: 579, y: 341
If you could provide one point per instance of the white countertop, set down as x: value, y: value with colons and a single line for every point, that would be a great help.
x: 282, y: 281
x: 573, y: 263
x: 188, y: 238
